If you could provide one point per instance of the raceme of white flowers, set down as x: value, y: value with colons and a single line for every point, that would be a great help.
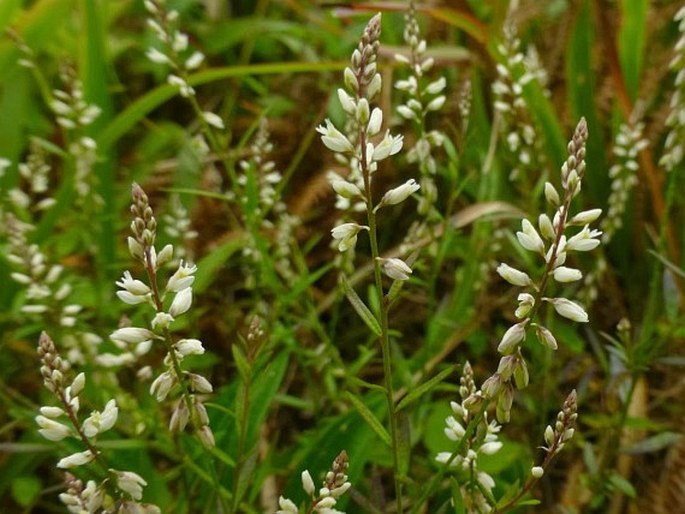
x: 370, y: 146
x: 483, y: 441
x: 136, y: 341
x: 175, y: 52
x: 553, y: 245
x: 674, y: 148
x: 63, y: 421
x: 324, y: 500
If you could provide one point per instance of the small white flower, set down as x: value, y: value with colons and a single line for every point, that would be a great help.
x: 585, y: 217
x: 98, y: 422
x: 181, y: 302
x: 182, y: 278
x: 51, y: 429
x: 214, y: 120
x: 194, y: 61
x: 551, y: 194
x: 343, y: 187
x: 363, y: 111
x: 131, y: 483
x: 333, y: 138
x: 436, y: 87
x: 347, y: 235
x: 400, y: 193
x: 51, y: 412
x: 584, y: 241
x: 436, y: 104
x: 162, y: 385
x: 308, y: 483
x: 189, y: 347
x: 346, y: 101
x: 529, y: 238
x: 390, y: 145
x: 512, y: 337
x: 396, y: 269
x: 161, y: 320
x: 156, y: 56
x: 286, y: 506
x: 568, y: 309
x: 76, y: 459
x: 131, y: 335
x: 454, y: 430
x: 490, y: 448
x: 199, y: 384
x: 564, y: 274
x: 545, y: 336
x: 546, y: 228
x: 526, y: 302
x: 537, y: 471
x: 375, y: 122
x: 78, y: 384
x: 406, y: 112
x: 164, y: 256
x: 513, y: 276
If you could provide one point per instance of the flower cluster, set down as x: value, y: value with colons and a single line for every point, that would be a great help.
x: 135, y: 341
x: 516, y: 124
x: 175, y: 52
x: 177, y: 226
x: 552, y: 245
x: 264, y: 212
x: 558, y: 435
x: 628, y: 144
x: 483, y: 441
x: 674, y: 151
x: 59, y: 422
x: 423, y: 97
x: 363, y: 83
x: 334, y: 486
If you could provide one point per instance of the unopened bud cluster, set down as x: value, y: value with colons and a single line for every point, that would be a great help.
x: 483, y: 441
x: 324, y: 500
x: 60, y: 422
x: 557, y: 435
x: 136, y: 341
x: 550, y: 242
x: 674, y: 147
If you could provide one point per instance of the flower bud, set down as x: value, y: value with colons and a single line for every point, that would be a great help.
x: 400, y: 193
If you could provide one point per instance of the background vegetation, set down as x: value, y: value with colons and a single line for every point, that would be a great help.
x: 291, y: 400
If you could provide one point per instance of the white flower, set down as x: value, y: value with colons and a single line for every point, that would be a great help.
x: 551, y: 194
x: 400, y: 193
x: 454, y: 430
x: 585, y: 217
x: 512, y: 337
x: 78, y: 384
x: 584, y: 241
x: 214, y: 120
x: 396, y: 269
x: 162, y: 320
x: 390, y: 145
x: 194, y: 61
x: 76, y: 459
x: 347, y: 235
x: 346, y: 101
x: 156, y: 56
x: 545, y: 336
x: 190, y: 347
x: 333, y: 138
x: 343, y: 187
x: 546, y: 228
x: 564, y: 274
x: 375, y: 122
x: 490, y: 448
x: 51, y: 429
x: 568, y: 309
x: 436, y: 104
x: 98, y: 422
x: 286, y: 506
x: 131, y: 335
x: 526, y: 302
x: 51, y: 412
x: 513, y: 276
x: 199, y: 384
x: 162, y: 385
x: 537, y: 471
x: 181, y: 302
x: 131, y: 483
x: 182, y: 278
x: 529, y: 238
x: 308, y: 483
x: 436, y: 87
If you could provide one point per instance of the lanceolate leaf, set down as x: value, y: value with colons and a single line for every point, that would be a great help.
x: 364, y: 313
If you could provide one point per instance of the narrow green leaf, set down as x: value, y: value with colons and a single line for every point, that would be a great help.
x: 631, y: 42
x: 424, y: 388
x: 622, y: 485
x: 404, y: 444
x: 369, y: 417
x: 241, y: 362
x: 368, y: 385
x: 457, y: 498
x: 364, y: 313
